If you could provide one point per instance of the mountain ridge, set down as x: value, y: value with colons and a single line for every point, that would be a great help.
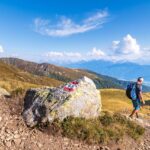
x: 12, y: 78
x: 122, y: 70
x: 67, y: 74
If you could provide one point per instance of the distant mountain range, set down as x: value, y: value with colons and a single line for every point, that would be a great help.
x: 124, y: 71
x: 67, y: 74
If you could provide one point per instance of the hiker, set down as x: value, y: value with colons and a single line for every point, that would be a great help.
x: 136, y: 96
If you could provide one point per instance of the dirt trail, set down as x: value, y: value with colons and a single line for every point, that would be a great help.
x: 14, y: 135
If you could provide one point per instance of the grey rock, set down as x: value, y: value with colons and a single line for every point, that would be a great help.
x: 78, y: 98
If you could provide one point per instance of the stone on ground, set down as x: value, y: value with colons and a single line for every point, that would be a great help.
x: 78, y: 98
x: 3, y: 92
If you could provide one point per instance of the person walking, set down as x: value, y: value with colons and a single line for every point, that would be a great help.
x: 136, y: 96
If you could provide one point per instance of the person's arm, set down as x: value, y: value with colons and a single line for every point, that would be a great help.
x: 141, y: 97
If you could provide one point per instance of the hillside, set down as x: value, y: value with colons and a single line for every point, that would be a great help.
x: 67, y: 74
x: 12, y: 78
x: 49, y: 70
x: 114, y: 100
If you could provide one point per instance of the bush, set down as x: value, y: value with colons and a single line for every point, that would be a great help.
x: 120, y: 118
x: 134, y: 130
x: 101, y: 130
x: 106, y: 119
x: 75, y: 128
x: 18, y: 92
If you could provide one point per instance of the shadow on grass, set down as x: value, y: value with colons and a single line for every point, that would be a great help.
x: 147, y: 103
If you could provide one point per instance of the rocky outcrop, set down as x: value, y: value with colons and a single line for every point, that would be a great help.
x: 4, y: 93
x: 78, y: 98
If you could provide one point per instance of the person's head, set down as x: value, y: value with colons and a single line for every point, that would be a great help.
x: 140, y: 80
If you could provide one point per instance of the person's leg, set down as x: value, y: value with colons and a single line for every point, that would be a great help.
x: 136, y: 106
x: 137, y: 115
x: 132, y: 114
x: 135, y: 111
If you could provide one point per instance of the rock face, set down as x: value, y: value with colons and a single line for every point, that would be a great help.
x: 78, y: 98
x: 3, y: 92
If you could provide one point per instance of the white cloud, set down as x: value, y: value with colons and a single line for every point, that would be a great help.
x: 66, y: 26
x: 129, y: 50
x: 1, y: 49
x: 62, y: 54
x: 99, y: 16
x: 95, y: 54
x: 126, y: 49
x: 56, y: 56
x: 145, y: 55
x: 115, y: 45
x: 128, y: 45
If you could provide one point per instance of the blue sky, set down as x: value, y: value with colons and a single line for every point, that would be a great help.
x: 74, y: 30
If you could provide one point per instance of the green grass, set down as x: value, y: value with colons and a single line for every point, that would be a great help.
x: 106, y: 128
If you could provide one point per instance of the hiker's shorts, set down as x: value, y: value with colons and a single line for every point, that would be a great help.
x: 136, y: 104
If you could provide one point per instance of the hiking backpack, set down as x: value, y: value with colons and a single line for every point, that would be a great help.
x: 131, y: 91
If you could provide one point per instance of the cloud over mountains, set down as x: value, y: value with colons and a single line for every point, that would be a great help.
x: 125, y: 49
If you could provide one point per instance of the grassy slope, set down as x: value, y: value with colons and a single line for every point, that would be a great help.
x: 67, y: 74
x: 12, y: 78
x: 47, y: 69
x: 62, y: 73
x: 115, y: 100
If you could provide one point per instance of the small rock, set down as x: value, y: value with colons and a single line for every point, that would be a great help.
x: 39, y: 145
x: 15, y: 132
x: 101, y: 148
x: 8, y: 131
x: 8, y: 143
x: 106, y: 148
x: 16, y: 136
x: 3, y: 92
x: 22, y: 145
x: 17, y: 141
x: 9, y: 138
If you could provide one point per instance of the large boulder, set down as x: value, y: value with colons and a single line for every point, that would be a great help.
x: 78, y: 98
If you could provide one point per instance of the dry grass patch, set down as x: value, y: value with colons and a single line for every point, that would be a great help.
x: 115, y: 100
x: 12, y: 78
